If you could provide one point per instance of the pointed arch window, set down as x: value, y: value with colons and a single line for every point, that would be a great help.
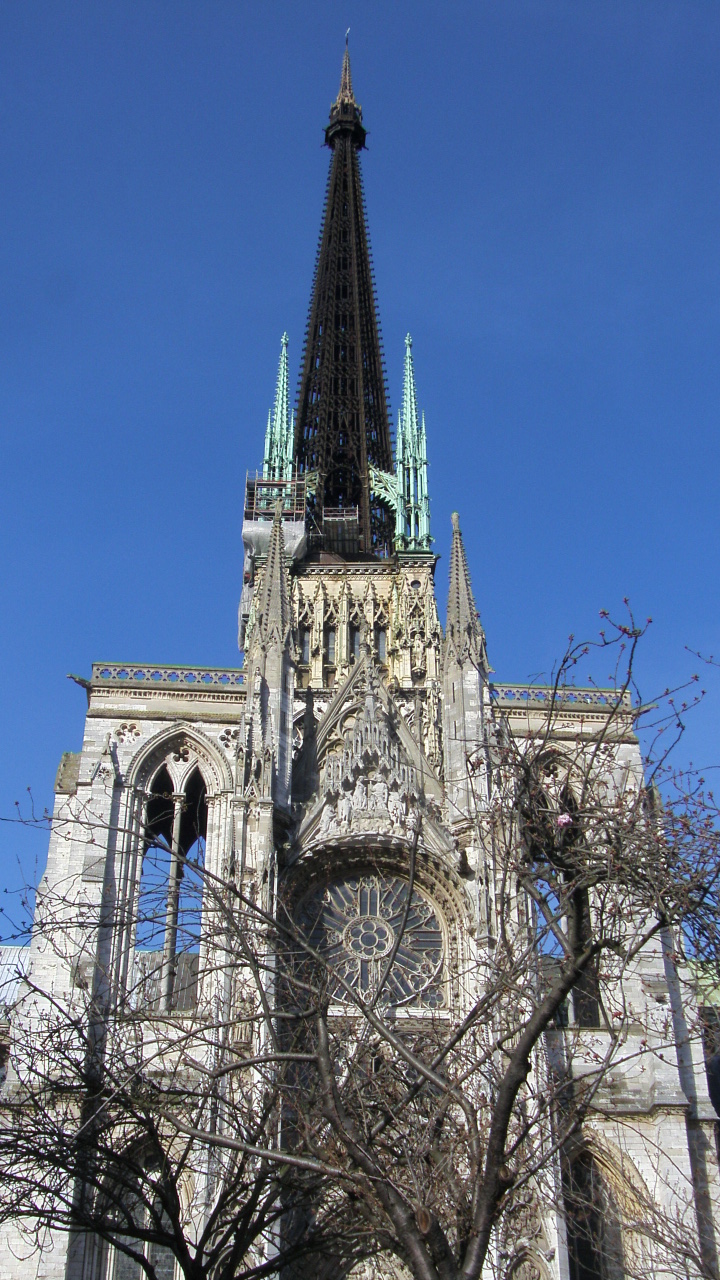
x: 305, y: 645
x: 553, y: 835
x: 139, y: 1201
x: 380, y: 637
x: 169, y: 908
x: 594, y: 1235
x: 329, y: 645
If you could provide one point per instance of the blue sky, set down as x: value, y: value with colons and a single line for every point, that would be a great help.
x: 543, y: 192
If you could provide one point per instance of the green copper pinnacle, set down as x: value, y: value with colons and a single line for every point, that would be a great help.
x: 412, y: 516
x: 278, y: 459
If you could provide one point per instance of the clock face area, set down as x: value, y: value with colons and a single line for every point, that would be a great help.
x: 355, y: 922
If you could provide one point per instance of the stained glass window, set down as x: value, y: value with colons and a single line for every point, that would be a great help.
x: 355, y: 922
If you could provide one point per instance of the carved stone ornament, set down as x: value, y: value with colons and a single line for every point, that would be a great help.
x: 368, y: 785
x: 524, y: 1238
x: 106, y: 772
x: 527, y: 1267
x: 127, y: 733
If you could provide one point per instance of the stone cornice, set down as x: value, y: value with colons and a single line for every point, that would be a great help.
x: 363, y: 568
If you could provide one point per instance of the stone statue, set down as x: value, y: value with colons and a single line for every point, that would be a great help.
x: 359, y: 797
x: 379, y: 794
x: 344, y: 809
x: 328, y: 821
x: 396, y: 809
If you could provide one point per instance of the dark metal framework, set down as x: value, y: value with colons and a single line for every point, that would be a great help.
x: 343, y: 424
x: 261, y: 498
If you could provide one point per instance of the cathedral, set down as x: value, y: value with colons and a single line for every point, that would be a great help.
x: 356, y: 728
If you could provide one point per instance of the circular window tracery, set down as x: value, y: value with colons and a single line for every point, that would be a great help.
x: 354, y: 923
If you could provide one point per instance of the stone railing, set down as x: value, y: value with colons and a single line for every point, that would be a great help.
x: 546, y: 697
x: 118, y: 675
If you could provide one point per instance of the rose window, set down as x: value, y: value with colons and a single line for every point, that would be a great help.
x: 355, y: 924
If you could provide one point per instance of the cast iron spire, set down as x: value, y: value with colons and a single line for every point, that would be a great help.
x: 343, y: 424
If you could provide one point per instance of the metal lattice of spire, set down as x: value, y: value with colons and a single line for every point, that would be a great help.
x: 343, y: 425
x: 412, y: 517
x: 278, y: 459
x: 463, y: 632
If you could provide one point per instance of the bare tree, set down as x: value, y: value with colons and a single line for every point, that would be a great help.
x: 266, y: 1114
x: 457, y: 1124
x: 149, y: 1127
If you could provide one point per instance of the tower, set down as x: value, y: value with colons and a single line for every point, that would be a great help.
x: 343, y: 424
x: 349, y: 778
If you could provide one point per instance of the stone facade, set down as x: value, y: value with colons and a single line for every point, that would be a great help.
x: 315, y: 764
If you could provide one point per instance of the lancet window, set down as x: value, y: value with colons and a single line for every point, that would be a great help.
x: 169, y: 904
x: 594, y: 1236
x: 553, y: 835
x: 304, y: 645
x: 130, y: 1257
x: 380, y: 632
x: 355, y: 632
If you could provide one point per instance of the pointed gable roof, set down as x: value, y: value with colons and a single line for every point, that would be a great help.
x: 362, y: 687
x: 363, y: 742
x: 464, y: 635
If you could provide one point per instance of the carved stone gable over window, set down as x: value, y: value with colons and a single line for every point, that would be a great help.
x: 373, y: 776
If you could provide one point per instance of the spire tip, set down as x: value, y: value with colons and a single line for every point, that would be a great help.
x: 346, y: 90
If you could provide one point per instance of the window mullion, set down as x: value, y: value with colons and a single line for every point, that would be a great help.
x: 173, y: 901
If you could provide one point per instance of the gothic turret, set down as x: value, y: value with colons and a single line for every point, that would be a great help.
x: 343, y: 424
x: 465, y: 638
x: 465, y: 678
x: 270, y: 665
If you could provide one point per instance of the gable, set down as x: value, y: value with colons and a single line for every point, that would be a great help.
x: 363, y: 699
x: 373, y: 779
